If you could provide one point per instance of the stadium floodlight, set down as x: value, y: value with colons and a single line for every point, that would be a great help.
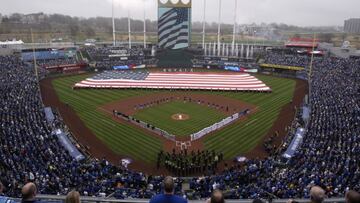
x: 113, y: 25
x: 219, y: 29
x: 164, y: 1
x: 311, y: 65
x: 144, y: 27
x: 204, y: 24
x: 242, y: 51
x: 247, y: 51
x: 214, y: 48
x: 234, y: 31
x: 34, y: 58
x: 129, y: 26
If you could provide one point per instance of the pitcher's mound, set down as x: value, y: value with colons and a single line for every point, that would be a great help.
x: 180, y: 117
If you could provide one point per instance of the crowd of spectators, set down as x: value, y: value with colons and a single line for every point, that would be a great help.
x: 106, y: 51
x: 108, y: 57
x: 187, y: 164
x: 56, y: 62
x: 328, y: 157
x: 30, y: 152
x: 286, y: 59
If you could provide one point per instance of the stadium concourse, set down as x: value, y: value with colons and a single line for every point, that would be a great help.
x: 328, y: 157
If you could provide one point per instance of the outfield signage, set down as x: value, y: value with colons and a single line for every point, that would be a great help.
x: 238, y: 69
x: 232, y: 68
x: 294, y: 68
x: 121, y: 67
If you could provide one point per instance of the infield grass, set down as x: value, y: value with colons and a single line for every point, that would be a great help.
x: 133, y: 142
x: 200, y: 117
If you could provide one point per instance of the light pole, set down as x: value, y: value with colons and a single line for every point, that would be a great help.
x: 219, y: 29
x: 234, y: 31
x: 204, y: 24
x: 113, y: 25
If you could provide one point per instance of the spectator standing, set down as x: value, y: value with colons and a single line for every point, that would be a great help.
x: 317, y: 194
x: 168, y: 196
x: 72, y: 197
x: 352, y: 197
x: 216, y: 197
x: 28, y: 193
x: 3, y: 198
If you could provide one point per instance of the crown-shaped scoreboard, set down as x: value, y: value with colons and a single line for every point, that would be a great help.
x: 174, y: 3
x: 174, y: 24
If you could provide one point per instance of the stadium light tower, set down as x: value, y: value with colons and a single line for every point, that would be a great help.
x: 234, y: 31
x: 113, y: 24
x: 204, y: 24
x: 311, y: 66
x: 34, y: 58
x: 219, y: 28
x: 129, y: 26
x: 144, y: 28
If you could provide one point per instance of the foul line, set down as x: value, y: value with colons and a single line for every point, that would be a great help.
x: 250, y: 122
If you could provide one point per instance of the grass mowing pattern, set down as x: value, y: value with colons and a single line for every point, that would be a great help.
x: 243, y: 137
x: 200, y: 117
x: 126, y: 140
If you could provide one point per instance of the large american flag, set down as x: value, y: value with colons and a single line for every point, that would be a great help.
x: 173, y: 28
x: 180, y: 80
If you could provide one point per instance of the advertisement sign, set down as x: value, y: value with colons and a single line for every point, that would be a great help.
x: 232, y: 68
x: 295, y: 68
x: 121, y: 68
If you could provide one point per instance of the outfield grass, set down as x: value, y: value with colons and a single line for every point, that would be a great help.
x: 130, y: 141
x: 200, y: 117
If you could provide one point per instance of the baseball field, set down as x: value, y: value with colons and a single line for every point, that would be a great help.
x: 197, y: 117
x: 130, y: 141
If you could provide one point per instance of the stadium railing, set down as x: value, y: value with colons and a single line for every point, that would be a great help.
x: 61, y: 198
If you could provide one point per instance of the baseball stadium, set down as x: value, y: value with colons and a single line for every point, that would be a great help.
x: 184, y: 118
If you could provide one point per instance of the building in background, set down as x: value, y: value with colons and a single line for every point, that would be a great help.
x: 174, y: 24
x: 0, y: 18
x: 352, y: 25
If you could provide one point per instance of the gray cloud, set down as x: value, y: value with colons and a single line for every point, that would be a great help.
x: 302, y: 13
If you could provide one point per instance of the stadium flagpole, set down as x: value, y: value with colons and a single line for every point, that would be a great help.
x: 35, y: 66
x: 234, y: 31
x: 219, y: 28
x: 113, y: 25
x: 144, y: 27
x: 311, y: 65
x: 129, y: 26
x: 204, y: 24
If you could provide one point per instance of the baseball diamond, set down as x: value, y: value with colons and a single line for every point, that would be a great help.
x: 121, y: 138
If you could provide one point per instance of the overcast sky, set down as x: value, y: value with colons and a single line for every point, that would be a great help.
x: 295, y: 12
